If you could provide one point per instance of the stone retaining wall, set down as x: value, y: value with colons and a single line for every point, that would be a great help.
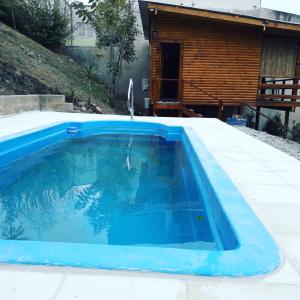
x: 14, y: 104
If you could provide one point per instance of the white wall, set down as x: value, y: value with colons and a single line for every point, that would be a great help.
x: 294, y: 116
x: 13, y: 104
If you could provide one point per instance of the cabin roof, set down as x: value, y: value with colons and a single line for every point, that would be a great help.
x: 266, y: 18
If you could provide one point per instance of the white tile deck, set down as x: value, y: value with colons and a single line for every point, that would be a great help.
x: 269, y: 181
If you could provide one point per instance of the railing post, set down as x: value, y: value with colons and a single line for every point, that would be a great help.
x: 283, y: 89
x: 273, y: 90
x: 295, y: 92
x: 286, y: 123
x: 257, y: 118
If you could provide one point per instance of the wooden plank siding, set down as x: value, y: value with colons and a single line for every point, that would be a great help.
x: 221, y: 59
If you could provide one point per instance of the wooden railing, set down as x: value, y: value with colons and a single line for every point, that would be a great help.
x: 279, y: 92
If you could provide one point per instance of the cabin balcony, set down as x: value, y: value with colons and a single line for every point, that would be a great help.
x: 281, y: 93
x: 169, y: 94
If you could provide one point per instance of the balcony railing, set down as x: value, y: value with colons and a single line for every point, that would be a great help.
x: 279, y: 92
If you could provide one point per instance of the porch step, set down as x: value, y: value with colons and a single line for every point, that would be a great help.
x: 167, y: 105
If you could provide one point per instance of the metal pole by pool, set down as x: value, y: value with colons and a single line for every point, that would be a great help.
x: 130, y: 102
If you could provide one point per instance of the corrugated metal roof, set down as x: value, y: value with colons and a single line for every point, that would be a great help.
x: 255, y: 12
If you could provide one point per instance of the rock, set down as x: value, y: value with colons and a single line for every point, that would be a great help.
x: 81, y: 103
x: 84, y: 109
x: 289, y: 147
x: 93, y: 104
x: 90, y: 110
x: 98, y: 110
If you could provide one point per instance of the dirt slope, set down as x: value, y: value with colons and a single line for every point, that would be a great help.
x: 28, y: 68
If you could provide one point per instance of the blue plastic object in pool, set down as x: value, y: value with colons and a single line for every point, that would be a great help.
x: 125, y: 195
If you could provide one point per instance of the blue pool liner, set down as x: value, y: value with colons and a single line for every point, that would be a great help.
x: 248, y: 248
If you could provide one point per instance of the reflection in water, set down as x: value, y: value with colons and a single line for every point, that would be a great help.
x: 108, y: 189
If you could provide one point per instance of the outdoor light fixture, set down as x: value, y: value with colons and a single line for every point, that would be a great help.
x: 154, y: 10
x: 265, y: 23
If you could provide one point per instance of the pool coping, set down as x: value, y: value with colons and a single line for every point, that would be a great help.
x: 257, y: 253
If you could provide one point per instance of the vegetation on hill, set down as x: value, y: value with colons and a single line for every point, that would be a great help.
x: 115, y: 24
x: 41, y: 20
x: 26, y: 67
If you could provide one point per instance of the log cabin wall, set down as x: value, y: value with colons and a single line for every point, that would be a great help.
x: 221, y: 59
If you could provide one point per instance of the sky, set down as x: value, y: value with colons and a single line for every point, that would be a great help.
x: 291, y: 6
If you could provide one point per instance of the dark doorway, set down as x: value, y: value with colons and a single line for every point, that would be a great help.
x: 170, y: 70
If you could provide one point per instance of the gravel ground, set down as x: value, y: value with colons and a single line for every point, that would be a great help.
x: 290, y: 147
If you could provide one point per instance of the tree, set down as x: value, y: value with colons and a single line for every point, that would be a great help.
x: 89, y: 63
x: 41, y: 20
x: 7, y: 11
x: 115, y: 25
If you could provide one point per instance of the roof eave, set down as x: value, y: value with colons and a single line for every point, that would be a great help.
x: 237, y: 19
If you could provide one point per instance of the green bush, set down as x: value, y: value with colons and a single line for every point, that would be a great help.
x: 274, y: 127
x: 296, y: 132
x: 250, y: 119
x: 41, y: 20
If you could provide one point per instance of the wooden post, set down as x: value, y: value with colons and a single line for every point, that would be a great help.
x: 273, y: 90
x: 283, y: 89
x: 295, y: 92
x: 286, y: 123
x: 241, y: 109
x: 220, y: 110
x: 257, y: 118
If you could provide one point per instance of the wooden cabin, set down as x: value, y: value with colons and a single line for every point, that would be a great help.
x: 201, y: 58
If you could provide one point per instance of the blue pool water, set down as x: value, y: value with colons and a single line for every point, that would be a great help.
x: 113, y: 189
x: 125, y: 195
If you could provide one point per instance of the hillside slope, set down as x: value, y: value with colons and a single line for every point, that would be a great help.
x: 28, y: 68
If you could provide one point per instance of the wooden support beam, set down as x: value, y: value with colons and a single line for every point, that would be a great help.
x: 295, y: 90
x: 271, y: 104
x: 276, y: 96
x: 257, y: 118
x: 286, y: 123
x: 166, y: 105
x: 241, y: 109
x: 220, y: 110
x: 266, y: 86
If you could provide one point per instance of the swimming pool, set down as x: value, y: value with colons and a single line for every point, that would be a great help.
x: 125, y: 195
